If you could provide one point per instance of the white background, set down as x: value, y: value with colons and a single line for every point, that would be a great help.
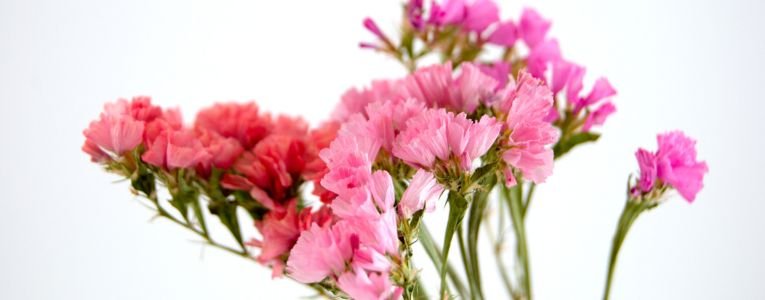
x: 68, y: 232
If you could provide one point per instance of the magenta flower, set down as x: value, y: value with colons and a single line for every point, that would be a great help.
x: 527, y: 147
x: 480, y: 14
x: 499, y: 70
x: 435, y: 86
x: 532, y: 27
x: 505, y: 34
x: 674, y: 164
x: 540, y: 56
x: 422, y: 192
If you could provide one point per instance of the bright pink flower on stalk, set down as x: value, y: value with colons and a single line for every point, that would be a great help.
x: 169, y: 120
x: 472, y: 86
x: 451, y: 12
x: 599, y: 116
x: 647, y: 162
x: 223, y: 151
x: 115, y: 133
x: 533, y: 28
x: 241, y: 121
x: 422, y: 192
x: 362, y: 285
x: 414, y: 10
x: 540, y: 56
x: 319, y: 252
x: 505, y: 34
x: 527, y: 105
x: 176, y: 149
x: 499, y: 70
x: 480, y: 14
x: 677, y: 165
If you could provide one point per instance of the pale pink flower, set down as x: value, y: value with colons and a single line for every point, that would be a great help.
x: 527, y: 147
x: 499, y: 70
x: 533, y: 28
x: 677, y: 165
x: 356, y: 100
x: 115, y: 133
x: 388, y: 118
x: 433, y: 85
x: 505, y: 34
x: 319, y: 252
x: 362, y: 285
x: 175, y: 149
x: 422, y: 192
x: 473, y: 87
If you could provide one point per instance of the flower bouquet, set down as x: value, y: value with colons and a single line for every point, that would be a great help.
x: 341, y: 207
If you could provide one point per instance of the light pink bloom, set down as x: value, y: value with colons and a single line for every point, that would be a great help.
x: 175, y: 149
x: 223, y: 151
x: 96, y: 154
x: 527, y: 104
x: 414, y: 10
x: 677, y: 165
x: 473, y: 87
x: 499, y: 70
x: 647, y: 162
x: 356, y: 100
x: 115, y: 133
x: 362, y: 285
x: 540, y: 56
x: 505, y: 34
x: 432, y: 85
x: 599, y: 116
x: 388, y: 118
x: 319, y: 252
x: 480, y: 14
x: 533, y: 28
x: 422, y: 192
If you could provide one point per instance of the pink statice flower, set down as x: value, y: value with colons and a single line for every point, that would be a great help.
x: 450, y: 12
x: 674, y: 164
x: 307, y: 265
x: 421, y: 194
x: 527, y: 147
x: 599, y: 116
x: 241, y: 121
x: 116, y: 131
x: 223, y: 151
x: 480, y: 15
x: 570, y: 76
x: 532, y: 27
x: 440, y: 135
x: 436, y: 87
x: 504, y: 34
x: 541, y: 56
x: 356, y: 100
x: 176, y: 149
x: 362, y: 285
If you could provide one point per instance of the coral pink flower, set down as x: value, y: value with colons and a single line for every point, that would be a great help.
x: 505, y: 34
x: 240, y: 121
x: 362, y: 285
x: 115, y: 133
x: 96, y: 154
x: 533, y: 28
x: 223, y: 151
x: 480, y: 14
x: 422, y: 192
x: 176, y: 149
x: 169, y: 119
x: 677, y: 165
x: 527, y: 104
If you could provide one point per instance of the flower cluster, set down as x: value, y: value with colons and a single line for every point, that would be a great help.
x: 447, y: 134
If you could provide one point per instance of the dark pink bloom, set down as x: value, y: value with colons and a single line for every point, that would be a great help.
x: 223, y: 151
x: 414, y: 11
x: 533, y: 28
x: 451, y: 12
x: 176, y: 149
x: 677, y: 165
x: 601, y: 90
x: 505, y: 34
x: 647, y: 162
x: 540, y: 56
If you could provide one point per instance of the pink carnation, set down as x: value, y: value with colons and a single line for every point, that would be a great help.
x: 527, y: 104
x: 422, y: 192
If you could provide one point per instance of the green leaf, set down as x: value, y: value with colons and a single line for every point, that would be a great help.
x: 457, y: 207
x: 566, y: 144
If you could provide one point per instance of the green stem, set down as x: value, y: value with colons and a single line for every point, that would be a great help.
x: 529, y: 195
x: 474, y: 290
x: 514, y: 197
x: 497, y: 243
x: 630, y: 213
x: 457, y: 207
x: 431, y: 248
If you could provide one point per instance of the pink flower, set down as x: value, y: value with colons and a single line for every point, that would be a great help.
x: 601, y: 90
x: 505, y: 34
x: 223, y: 151
x: 388, y: 118
x: 499, y: 70
x: 422, y: 191
x: 239, y: 121
x: 481, y: 14
x: 473, y: 87
x: 117, y: 130
x: 355, y: 100
x: 319, y: 252
x: 540, y: 56
x: 414, y: 10
x: 677, y: 165
x: 176, y: 149
x: 438, y: 134
x: 647, y: 162
x: 533, y: 28
x: 281, y: 229
x: 527, y: 147
x: 451, y: 12
x: 599, y: 116
x: 96, y: 154
x: 362, y: 285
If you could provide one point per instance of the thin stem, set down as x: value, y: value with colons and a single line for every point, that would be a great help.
x: 630, y: 213
x: 474, y: 290
x: 497, y: 243
x: 432, y: 249
x: 514, y: 197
